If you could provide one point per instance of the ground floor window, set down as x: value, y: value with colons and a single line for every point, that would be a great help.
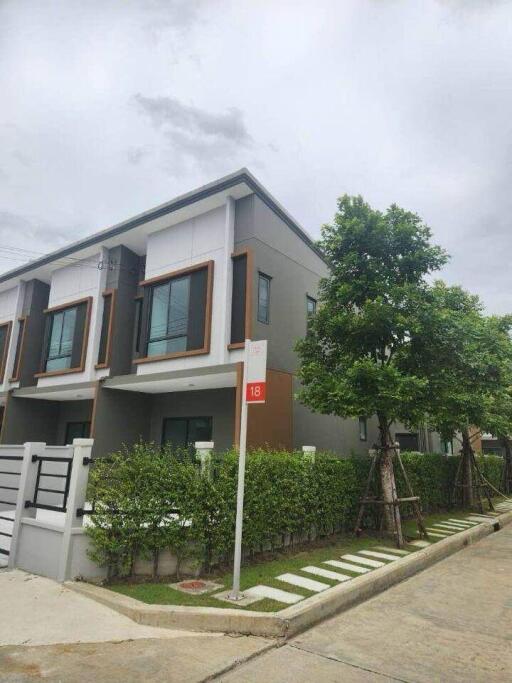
x: 184, y: 431
x: 77, y: 430
x: 408, y: 442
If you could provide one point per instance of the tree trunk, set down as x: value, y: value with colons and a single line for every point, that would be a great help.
x: 468, y: 498
x: 388, y: 484
x: 507, y: 466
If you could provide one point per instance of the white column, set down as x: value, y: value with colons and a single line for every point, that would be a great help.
x: 11, y: 351
x: 309, y: 453
x: 26, y: 492
x: 76, y: 499
x: 204, y: 453
x: 226, y: 283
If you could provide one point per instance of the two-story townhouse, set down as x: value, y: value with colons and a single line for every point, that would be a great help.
x: 137, y: 332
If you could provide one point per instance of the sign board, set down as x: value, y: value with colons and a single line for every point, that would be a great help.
x: 256, y: 371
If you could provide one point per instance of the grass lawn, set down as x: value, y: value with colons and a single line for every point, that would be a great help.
x: 265, y: 571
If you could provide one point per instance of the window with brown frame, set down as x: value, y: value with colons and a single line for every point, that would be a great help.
x: 19, y: 347
x: 5, y: 336
x: 240, y: 300
x: 176, y: 316
x: 106, y: 329
x: 65, y: 338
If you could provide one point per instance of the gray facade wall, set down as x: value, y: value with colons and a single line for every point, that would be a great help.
x: 34, y: 302
x: 124, y: 279
x: 121, y: 417
x: 28, y: 419
x: 72, y: 411
x: 295, y: 270
x: 216, y: 403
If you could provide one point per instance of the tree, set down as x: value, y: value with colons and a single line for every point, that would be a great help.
x: 353, y: 359
x: 466, y: 357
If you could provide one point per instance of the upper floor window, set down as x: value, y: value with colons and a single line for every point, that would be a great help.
x: 5, y: 334
x: 240, y: 299
x: 178, y: 311
x: 106, y: 329
x: 363, y: 429
x: 19, y: 346
x: 66, y: 337
x: 310, y: 306
x: 263, y: 298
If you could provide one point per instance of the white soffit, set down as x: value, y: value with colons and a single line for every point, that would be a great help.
x: 193, y: 383
x: 77, y: 394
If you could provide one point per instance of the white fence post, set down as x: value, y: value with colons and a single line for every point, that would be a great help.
x: 309, y: 453
x: 76, y: 500
x: 26, y: 492
x: 204, y: 451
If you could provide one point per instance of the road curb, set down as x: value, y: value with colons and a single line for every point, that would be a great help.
x: 296, y: 618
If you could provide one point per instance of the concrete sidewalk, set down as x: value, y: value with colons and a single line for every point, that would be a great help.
x: 451, y: 623
x: 49, y: 633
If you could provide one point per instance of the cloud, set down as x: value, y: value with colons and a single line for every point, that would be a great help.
x: 169, y: 112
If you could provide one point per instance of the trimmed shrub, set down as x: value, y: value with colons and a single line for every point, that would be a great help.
x: 288, y: 499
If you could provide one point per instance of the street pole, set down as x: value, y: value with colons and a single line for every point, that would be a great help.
x: 235, y: 591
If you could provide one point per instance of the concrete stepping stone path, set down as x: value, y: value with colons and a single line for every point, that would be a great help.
x: 363, y: 560
x: 462, y: 521
x: 420, y: 544
x: 326, y: 573
x: 262, y: 592
x: 303, y: 582
x: 397, y: 551
x: 347, y: 566
x: 379, y: 556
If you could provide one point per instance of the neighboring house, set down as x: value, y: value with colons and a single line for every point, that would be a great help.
x: 137, y: 332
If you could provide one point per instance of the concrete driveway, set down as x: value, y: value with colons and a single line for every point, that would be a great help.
x: 49, y: 633
x: 451, y: 623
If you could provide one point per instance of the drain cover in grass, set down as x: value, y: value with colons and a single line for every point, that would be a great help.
x: 196, y: 586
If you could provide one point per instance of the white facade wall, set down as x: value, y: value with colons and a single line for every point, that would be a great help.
x: 11, y: 302
x: 208, y: 237
x: 70, y: 283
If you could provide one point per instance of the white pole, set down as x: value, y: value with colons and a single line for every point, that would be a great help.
x: 235, y: 592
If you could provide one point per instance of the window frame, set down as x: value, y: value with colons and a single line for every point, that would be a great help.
x: 188, y: 420
x: 315, y: 302
x: 112, y: 295
x: 263, y: 276
x: 208, y: 266
x: 5, y: 353
x: 363, y: 433
x: 249, y: 257
x: 20, y: 345
x: 85, y: 338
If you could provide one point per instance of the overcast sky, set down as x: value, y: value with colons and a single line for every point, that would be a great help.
x: 110, y: 107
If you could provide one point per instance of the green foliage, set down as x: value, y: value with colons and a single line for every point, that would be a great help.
x: 466, y: 358
x: 287, y: 499
x: 354, y: 358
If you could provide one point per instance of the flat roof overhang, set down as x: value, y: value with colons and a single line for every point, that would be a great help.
x: 79, y: 391
x: 196, y: 379
x: 206, y: 198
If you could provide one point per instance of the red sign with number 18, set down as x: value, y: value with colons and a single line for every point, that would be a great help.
x: 255, y: 392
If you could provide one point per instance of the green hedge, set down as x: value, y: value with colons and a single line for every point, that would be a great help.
x: 288, y: 499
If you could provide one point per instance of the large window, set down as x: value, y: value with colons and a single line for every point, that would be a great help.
x: 185, y: 431
x: 5, y: 333
x: 264, y: 298
x: 65, y: 338
x: 169, y: 317
x: 176, y: 313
